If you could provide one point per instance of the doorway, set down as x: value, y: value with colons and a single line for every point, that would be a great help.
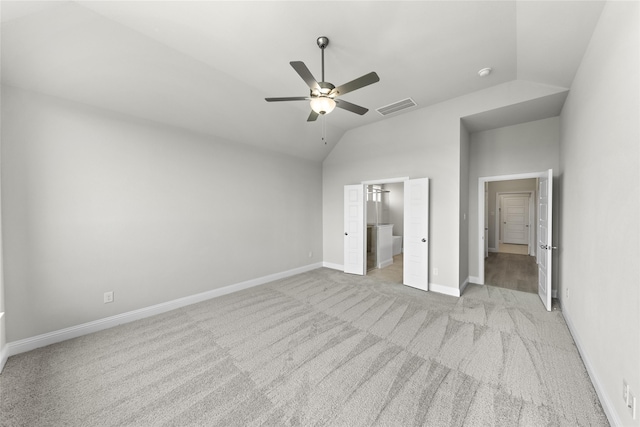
x: 415, y: 236
x: 529, y: 272
x: 384, y: 212
x: 509, y: 265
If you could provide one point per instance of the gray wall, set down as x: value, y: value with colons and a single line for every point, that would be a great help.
x: 94, y: 202
x: 421, y: 143
x: 507, y: 186
x: 389, y: 149
x: 600, y: 238
x: 524, y: 148
x: 463, y: 268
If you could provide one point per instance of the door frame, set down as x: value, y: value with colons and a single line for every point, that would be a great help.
x: 485, y: 226
x: 530, y: 240
x: 386, y: 181
x: 481, y: 213
x: 372, y: 182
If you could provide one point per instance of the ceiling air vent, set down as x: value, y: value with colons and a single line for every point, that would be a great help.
x: 396, y: 106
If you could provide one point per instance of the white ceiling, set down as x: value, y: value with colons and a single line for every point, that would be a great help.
x: 207, y: 66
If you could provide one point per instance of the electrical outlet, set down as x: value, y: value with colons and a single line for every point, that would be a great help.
x: 108, y: 297
x: 435, y: 271
x: 567, y: 293
x: 310, y: 254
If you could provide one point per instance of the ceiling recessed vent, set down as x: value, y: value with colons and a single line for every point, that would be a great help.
x: 396, y: 106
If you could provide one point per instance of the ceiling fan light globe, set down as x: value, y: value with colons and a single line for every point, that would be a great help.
x: 323, y: 105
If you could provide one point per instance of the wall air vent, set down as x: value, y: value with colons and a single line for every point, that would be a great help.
x: 396, y: 106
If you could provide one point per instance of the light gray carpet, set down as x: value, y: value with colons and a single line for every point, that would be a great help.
x: 321, y: 348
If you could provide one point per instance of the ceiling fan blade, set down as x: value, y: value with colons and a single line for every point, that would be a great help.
x: 289, y: 98
x: 313, y: 116
x: 306, y: 75
x: 341, y: 103
x: 363, y: 81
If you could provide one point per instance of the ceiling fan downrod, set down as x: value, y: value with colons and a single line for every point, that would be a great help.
x: 323, y: 42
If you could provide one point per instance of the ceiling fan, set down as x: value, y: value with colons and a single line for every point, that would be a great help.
x: 324, y: 96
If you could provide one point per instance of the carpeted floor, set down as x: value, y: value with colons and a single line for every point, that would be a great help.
x: 320, y: 348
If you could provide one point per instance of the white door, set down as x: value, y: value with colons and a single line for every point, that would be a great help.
x: 354, y: 244
x: 486, y: 220
x: 515, y: 217
x: 416, y: 233
x: 545, y: 245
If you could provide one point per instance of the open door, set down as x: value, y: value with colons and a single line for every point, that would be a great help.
x: 416, y: 233
x: 354, y: 229
x: 486, y: 219
x: 545, y: 246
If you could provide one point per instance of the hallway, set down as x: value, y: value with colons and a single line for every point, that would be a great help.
x: 511, y: 271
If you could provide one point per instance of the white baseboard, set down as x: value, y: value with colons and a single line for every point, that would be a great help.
x: 493, y: 249
x: 333, y: 266
x: 442, y: 289
x: 607, y: 406
x: 49, y: 338
x: 4, y: 355
x: 386, y: 263
x: 476, y: 280
x: 464, y: 285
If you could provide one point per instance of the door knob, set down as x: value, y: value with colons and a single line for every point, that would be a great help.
x: 346, y: 234
x: 424, y: 240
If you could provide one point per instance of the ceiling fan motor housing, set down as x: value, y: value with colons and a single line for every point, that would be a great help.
x: 325, y: 89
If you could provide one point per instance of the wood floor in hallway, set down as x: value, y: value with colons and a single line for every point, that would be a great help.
x: 392, y: 273
x: 511, y: 271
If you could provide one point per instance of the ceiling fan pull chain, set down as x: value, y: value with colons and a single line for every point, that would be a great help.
x: 324, y: 129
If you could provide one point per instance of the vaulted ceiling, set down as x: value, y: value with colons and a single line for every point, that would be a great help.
x: 206, y: 66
